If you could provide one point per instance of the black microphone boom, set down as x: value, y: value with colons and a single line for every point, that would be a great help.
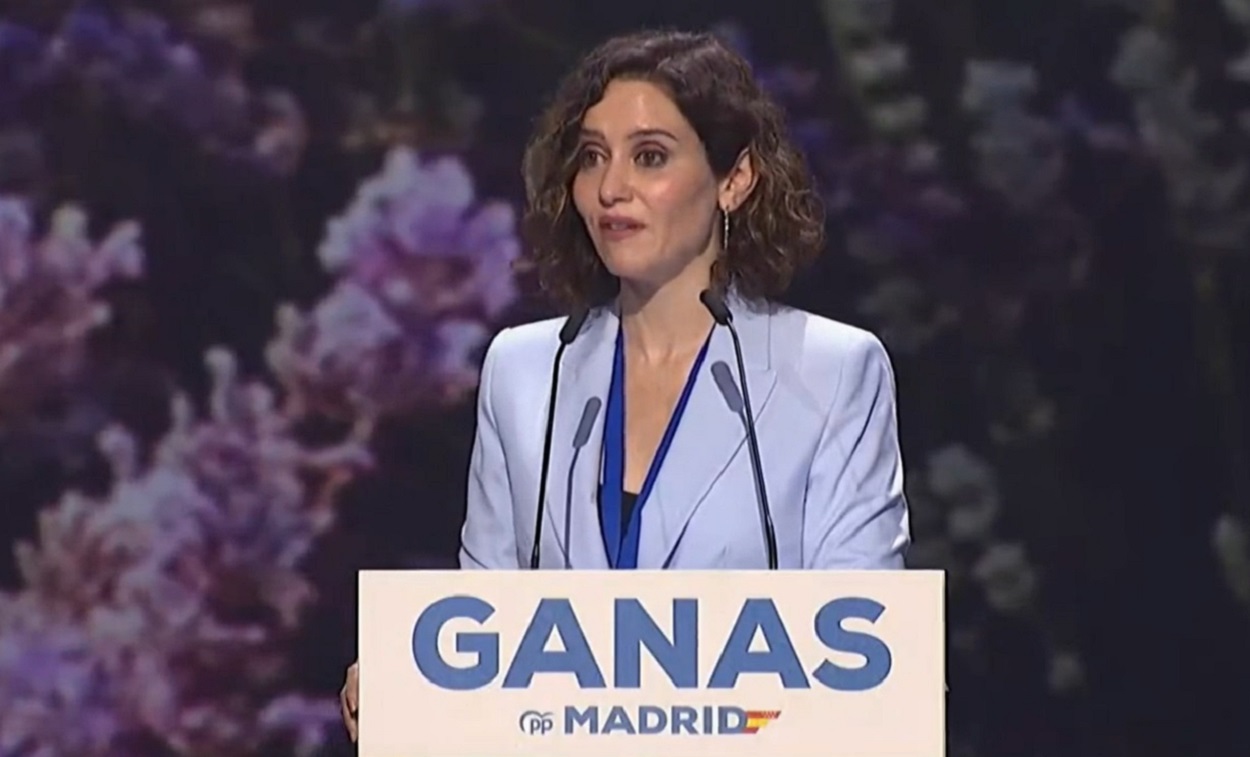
x: 715, y: 305
x: 568, y: 332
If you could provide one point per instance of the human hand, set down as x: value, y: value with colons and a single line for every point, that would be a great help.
x: 349, y: 699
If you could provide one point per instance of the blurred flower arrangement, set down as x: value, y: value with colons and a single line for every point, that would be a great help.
x: 422, y: 271
x: 157, y: 615
x: 1205, y: 158
x: 110, y: 55
x: 141, y: 605
x: 932, y: 290
x: 48, y: 288
x: 906, y: 217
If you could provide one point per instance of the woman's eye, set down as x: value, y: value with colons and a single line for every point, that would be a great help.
x: 651, y: 158
x: 588, y: 158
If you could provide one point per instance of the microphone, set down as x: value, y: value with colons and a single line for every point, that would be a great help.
x: 568, y: 332
x: 715, y: 305
x: 590, y: 412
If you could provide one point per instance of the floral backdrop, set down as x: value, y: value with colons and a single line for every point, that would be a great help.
x: 250, y: 254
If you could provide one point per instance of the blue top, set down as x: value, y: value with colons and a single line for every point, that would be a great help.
x: 620, y: 525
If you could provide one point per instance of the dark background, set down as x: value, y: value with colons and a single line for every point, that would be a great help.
x: 1041, y: 208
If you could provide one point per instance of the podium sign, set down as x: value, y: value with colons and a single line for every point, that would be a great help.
x: 655, y: 663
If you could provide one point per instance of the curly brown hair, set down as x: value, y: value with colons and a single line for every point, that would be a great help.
x: 775, y: 232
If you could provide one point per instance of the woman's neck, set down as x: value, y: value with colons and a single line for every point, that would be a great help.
x: 664, y: 324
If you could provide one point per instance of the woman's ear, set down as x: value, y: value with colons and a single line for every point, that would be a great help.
x: 738, y: 184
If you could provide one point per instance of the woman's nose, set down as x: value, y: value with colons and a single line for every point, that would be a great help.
x: 614, y: 185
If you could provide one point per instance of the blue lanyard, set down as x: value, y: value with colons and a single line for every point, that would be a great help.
x: 623, y: 548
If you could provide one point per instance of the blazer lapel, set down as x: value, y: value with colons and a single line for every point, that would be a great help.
x: 711, y: 433
x: 577, y: 444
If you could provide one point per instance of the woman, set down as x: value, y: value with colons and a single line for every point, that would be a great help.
x: 660, y: 171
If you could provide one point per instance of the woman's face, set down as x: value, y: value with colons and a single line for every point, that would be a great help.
x: 644, y: 187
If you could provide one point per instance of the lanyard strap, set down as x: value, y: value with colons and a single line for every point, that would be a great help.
x: 623, y: 548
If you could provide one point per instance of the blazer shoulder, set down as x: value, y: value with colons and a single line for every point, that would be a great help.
x: 824, y: 361
x: 524, y: 341
x: 824, y: 344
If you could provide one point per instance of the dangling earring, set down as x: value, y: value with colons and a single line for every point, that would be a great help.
x: 724, y: 214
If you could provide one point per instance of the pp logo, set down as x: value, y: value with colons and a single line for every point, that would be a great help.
x: 533, y: 722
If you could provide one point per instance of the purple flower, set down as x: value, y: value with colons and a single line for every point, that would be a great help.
x: 461, y: 8
x: 137, y: 61
x: 895, y: 190
x: 23, y: 63
x: 157, y: 611
x: 423, y: 268
x: 48, y: 286
x: 416, y: 228
x: 50, y: 676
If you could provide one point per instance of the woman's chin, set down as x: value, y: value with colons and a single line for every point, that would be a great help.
x: 632, y: 272
x: 644, y: 273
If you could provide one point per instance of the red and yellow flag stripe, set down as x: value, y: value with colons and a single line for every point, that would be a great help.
x: 757, y: 719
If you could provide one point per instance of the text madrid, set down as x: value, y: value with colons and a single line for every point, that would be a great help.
x: 643, y: 720
x: 675, y: 650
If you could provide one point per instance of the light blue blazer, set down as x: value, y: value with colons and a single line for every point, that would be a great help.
x: 824, y: 401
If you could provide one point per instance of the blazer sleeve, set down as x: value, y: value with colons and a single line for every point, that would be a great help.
x: 855, y: 511
x: 488, y: 538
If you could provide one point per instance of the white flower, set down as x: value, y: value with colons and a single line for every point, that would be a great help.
x: 878, y: 64
x: 907, y: 317
x: 1009, y: 581
x: 967, y: 485
x: 1231, y: 542
x: 991, y: 85
x: 860, y: 17
x: 1065, y: 672
x: 1146, y: 60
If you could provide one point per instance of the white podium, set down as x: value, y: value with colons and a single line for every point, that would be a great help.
x: 652, y: 664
